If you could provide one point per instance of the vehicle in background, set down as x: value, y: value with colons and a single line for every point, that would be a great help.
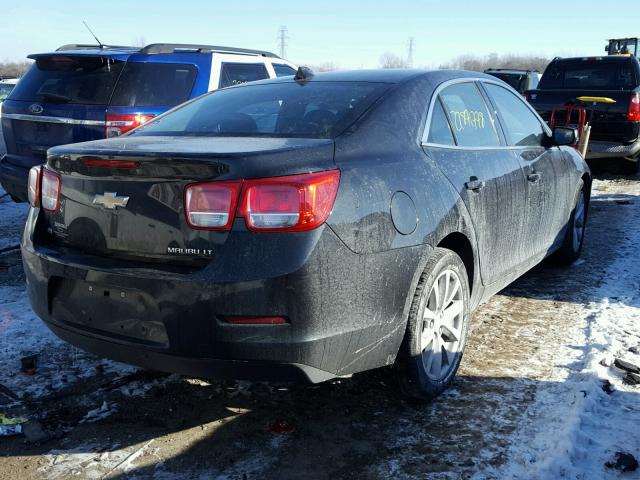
x: 87, y: 92
x: 520, y: 80
x: 623, y: 46
x: 6, y: 86
x: 615, y: 118
x: 313, y: 227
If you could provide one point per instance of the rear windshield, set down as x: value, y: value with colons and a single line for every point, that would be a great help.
x: 311, y: 110
x: 589, y: 75
x: 516, y: 80
x: 68, y: 79
x: 154, y: 84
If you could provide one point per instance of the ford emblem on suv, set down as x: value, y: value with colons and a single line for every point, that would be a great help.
x: 35, y: 108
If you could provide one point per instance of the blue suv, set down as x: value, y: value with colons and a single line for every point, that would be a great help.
x: 87, y: 92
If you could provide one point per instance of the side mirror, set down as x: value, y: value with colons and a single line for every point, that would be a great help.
x: 565, y: 136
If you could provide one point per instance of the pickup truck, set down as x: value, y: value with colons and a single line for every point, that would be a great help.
x: 615, y: 125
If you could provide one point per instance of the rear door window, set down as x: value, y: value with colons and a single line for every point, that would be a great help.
x: 154, y: 84
x: 238, y: 73
x: 470, y: 119
x: 283, y: 70
x: 439, y: 129
x: 69, y: 79
x: 589, y: 75
x: 521, y: 127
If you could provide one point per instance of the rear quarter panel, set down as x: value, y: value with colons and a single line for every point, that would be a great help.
x: 381, y: 157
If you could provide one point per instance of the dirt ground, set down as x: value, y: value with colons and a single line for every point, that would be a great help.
x: 155, y: 426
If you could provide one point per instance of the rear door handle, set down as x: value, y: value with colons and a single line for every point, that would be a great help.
x: 533, y: 177
x: 474, y: 184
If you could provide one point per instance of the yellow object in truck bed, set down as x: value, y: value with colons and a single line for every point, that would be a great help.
x: 596, y: 99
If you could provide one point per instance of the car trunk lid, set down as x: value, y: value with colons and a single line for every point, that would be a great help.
x: 125, y: 197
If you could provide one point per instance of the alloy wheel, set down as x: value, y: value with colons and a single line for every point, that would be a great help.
x: 442, y: 324
x: 578, y: 222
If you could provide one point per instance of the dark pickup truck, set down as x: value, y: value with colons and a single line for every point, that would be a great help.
x: 615, y: 126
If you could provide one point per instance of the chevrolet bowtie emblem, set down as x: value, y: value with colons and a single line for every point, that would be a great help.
x: 110, y: 200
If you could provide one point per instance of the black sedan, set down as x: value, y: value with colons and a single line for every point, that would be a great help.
x: 303, y: 228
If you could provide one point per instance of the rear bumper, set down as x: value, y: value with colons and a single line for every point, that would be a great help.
x: 14, y: 179
x: 598, y: 149
x: 343, y: 317
x: 198, y: 367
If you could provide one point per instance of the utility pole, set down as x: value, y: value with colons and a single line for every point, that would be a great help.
x: 410, y: 52
x: 282, y: 40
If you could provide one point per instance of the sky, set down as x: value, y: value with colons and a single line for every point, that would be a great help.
x: 351, y: 34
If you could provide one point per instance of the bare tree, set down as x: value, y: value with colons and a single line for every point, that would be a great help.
x: 493, y: 60
x: 139, y: 42
x: 391, y: 60
x: 14, y: 69
x: 325, y: 67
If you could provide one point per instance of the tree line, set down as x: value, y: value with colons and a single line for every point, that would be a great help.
x: 386, y: 60
x: 13, y: 69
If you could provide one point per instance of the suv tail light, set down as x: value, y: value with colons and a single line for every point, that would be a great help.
x: 292, y: 203
x: 35, y: 180
x: 118, y: 124
x: 633, y: 114
x: 50, y: 193
x: 211, y: 205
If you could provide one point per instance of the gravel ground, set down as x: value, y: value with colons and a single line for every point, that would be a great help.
x: 517, y: 409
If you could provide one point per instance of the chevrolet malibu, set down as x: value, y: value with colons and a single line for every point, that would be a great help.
x: 303, y: 228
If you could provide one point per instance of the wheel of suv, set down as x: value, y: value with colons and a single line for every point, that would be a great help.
x: 437, y: 326
x: 631, y: 165
x: 571, y: 247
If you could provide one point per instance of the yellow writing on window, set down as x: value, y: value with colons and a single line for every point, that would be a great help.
x: 467, y: 119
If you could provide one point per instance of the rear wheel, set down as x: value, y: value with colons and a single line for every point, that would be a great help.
x: 437, y: 326
x: 571, y: 247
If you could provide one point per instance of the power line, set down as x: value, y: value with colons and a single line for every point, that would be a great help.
x: 283, y: 37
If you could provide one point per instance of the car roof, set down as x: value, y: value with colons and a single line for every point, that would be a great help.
x: 599, y: 58
x: 382, y: 75
x: 118, y: 51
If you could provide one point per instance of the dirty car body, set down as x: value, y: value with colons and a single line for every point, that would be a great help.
x: 143, y: 281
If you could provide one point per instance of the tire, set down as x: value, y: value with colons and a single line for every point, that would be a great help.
x: 425, y: 374
x: 631, y: 165
x: 571, y: 246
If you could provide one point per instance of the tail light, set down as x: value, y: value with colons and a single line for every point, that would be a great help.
x: 291, y: 203
x: 527, y: 96
x: 118, y: 124
x: 35, y: 180
x: 211, y: 205
x: 633, y: 114
x: 50, y: 193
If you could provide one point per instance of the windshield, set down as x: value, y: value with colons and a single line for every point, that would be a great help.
x: 589, y: 75
x: 68, y: 79
x: 310, y: 110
